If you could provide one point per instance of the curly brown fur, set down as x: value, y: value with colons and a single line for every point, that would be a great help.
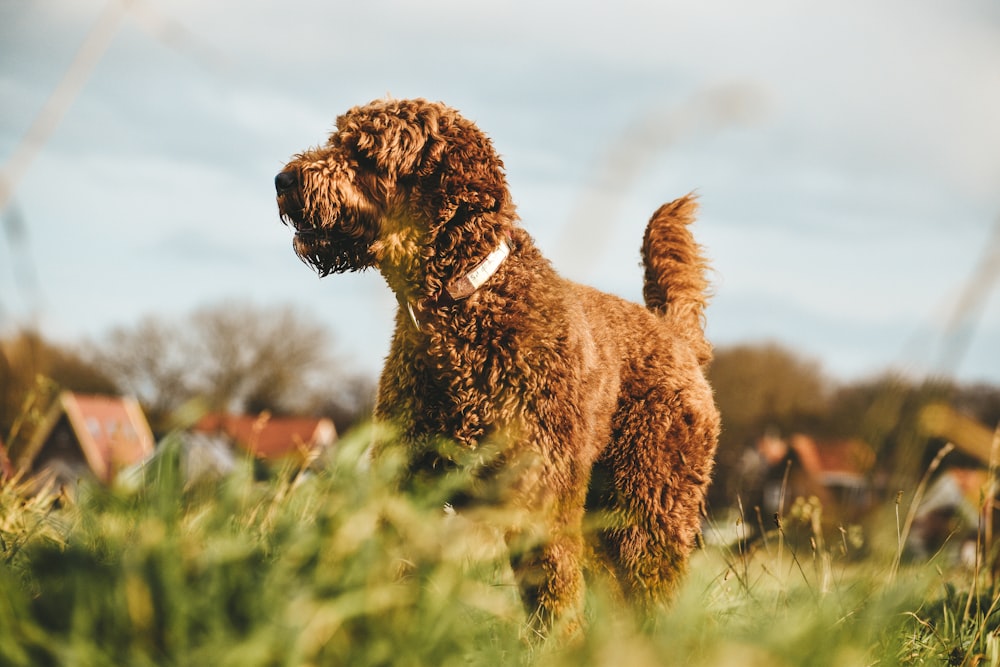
x: 596, y: 404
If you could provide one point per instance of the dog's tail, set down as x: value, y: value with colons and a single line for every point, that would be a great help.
x: 675, y: 283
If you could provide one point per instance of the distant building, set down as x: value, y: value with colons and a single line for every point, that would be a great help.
x: 272, y: 438
x: 835, y: 471
x: 961, y: 506
x: 843, y: 468
x: 86, y: 436
x: 201, y: 457
x: 953, y: 512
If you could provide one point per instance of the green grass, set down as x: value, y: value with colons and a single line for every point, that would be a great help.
x: 334, y: 568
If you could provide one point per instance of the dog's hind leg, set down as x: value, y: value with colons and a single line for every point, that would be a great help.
x: 659, y: 468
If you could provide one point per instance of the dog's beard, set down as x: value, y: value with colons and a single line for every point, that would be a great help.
x: 328, y: 241
x: 332, y: 251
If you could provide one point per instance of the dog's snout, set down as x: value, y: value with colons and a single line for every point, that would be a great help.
x: 285, y: 181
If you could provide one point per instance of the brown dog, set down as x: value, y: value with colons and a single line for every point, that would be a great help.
x: 595, y: 404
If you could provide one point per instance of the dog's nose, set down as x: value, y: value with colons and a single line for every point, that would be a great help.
x: 285, y: 181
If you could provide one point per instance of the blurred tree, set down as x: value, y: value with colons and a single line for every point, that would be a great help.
x: 254, y: 359
x: 981, y: 401
x: 354, y: 402
x: 760, y: 388
x: 26, y: 356
x: 766, y: 386
x: 149, y: 362
x: 885, y: 412
x: 234, y: 357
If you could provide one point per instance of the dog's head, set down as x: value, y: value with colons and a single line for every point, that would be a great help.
x: 397, y: 179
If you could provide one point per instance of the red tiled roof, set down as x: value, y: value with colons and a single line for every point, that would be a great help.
x: 848, y: 456
x: 112, y: 431
x: 271, y: 437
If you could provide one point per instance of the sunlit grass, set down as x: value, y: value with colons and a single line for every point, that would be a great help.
x: 335, y: 568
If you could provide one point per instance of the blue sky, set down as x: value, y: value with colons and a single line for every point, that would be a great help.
x: 847, y: 156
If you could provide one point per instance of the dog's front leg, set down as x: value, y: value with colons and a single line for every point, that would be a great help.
x: 546, y: 556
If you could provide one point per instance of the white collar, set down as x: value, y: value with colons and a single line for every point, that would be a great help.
x: 466, y: 286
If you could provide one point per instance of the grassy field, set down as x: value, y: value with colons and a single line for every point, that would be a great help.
x: 332, y: 568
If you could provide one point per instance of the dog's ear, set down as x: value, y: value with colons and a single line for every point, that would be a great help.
x: 454, y: 162
x: 392, y: 135
x: 471, y: 171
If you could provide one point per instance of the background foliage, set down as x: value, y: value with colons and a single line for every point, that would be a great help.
x: 237, y: 357
x: 331, y: 566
